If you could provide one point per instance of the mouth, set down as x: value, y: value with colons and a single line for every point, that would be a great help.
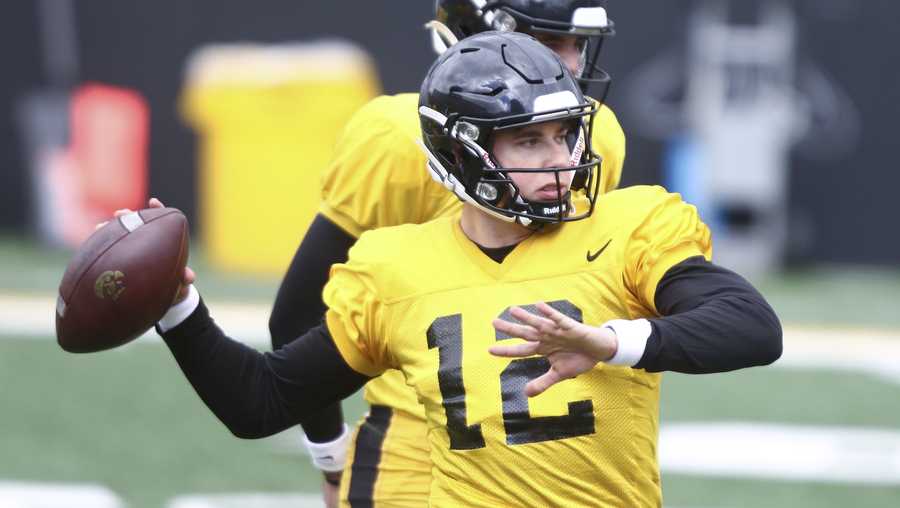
x: 551, y: 192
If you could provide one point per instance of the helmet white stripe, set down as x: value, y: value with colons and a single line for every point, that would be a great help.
x: 554, y: 101
x: 590, y: 17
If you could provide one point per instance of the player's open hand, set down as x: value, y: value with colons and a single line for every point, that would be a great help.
x: 571, y: 347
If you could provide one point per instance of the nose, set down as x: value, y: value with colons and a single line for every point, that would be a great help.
x: 558, y: 156
x: 570, y: 56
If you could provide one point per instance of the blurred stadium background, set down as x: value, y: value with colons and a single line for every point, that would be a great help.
x: 776, y: 118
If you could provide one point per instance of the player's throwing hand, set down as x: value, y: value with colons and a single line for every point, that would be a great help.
x: 571, y: 347
x: 189, y: 275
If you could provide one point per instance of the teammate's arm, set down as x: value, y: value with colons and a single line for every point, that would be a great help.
x: 258, y: 394
x: 299, y: 307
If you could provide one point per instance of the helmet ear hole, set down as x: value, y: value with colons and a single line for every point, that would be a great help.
x: 487, y: 191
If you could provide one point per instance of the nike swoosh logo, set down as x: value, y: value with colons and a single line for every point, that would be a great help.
x: 591, y: 257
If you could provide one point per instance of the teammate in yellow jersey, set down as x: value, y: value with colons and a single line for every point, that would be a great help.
x: 378, y: 179
x: 613, y: 288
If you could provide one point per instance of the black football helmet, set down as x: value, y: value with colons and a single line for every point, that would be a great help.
x: 586, y: 19
x: 500, y: 80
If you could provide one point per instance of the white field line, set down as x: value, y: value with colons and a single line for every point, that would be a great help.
x: 876, y: 352
x: 56, y: 495
x: 860, y: 456
x: 33, y: 317
x: 782, y: 452
x: 247, y: 500
x: 871, y: 351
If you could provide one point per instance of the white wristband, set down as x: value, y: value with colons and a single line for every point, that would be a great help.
x: 632, y: 336
x: 180, y: 311
x: 331, y: 456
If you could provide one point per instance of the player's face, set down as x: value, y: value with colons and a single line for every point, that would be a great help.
x: 542, y: 145
x: 569, y: 48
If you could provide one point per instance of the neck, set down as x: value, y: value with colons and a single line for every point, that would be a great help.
x: 489, y: 231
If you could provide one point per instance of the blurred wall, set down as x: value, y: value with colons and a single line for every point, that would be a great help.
x: 843, y: 202
x: 144, y: 45
x: 20, y: 72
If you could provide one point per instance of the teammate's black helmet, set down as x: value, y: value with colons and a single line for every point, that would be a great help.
x: 499, y: 80
x: 580, y: 18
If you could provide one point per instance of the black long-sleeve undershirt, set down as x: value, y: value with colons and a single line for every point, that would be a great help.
x: 259, y: 394
x: 716, y: 322
x: 299, y: 307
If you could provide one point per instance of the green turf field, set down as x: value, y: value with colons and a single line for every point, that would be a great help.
x: 127, y: 420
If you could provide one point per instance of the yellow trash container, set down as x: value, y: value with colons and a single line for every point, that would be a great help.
x: 267, y: 119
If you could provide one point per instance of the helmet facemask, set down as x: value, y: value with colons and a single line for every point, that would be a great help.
x: 592, y: 79
x: 485, y: 183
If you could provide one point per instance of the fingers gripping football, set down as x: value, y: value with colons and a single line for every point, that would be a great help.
x: 189, y: 276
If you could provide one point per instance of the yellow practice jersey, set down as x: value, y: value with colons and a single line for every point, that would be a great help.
x: 378, y: 178
x: 421, y: 299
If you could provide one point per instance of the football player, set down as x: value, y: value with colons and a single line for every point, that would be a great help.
x: 378, y: 179
x: 626, y: 278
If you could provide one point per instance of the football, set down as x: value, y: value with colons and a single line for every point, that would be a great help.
x: 122, y: 280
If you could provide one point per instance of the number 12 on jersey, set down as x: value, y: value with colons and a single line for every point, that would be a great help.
x: 445, y: 334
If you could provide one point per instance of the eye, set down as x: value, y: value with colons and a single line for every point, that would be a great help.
x: 564, y: 134
x: 551, y: 42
